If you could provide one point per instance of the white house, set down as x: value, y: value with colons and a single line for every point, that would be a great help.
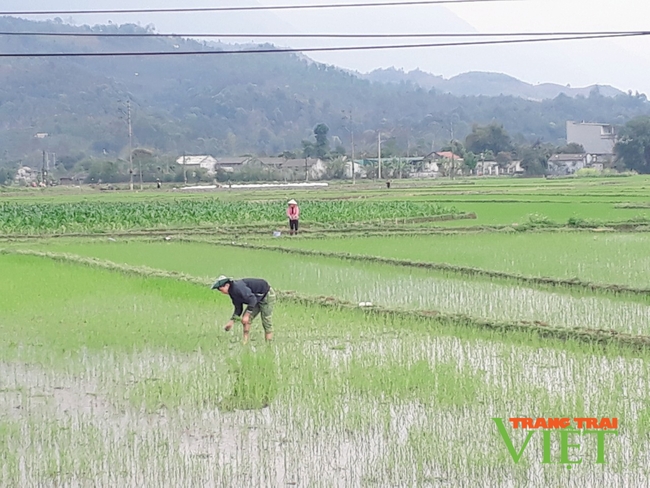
x: 315, y: 167
x: 566, y: 164
x: 230, y: 165
x: 205, y: 162
x: 515, y: 168
x: 424, y: 168
x: 435, y: 164
x: 26, y: 174
x: 487, y: 168
x: 359, y: 170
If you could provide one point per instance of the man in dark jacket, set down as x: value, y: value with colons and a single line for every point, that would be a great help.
x: 256, y: 294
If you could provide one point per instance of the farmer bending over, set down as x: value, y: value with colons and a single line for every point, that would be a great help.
x: 259, y: 298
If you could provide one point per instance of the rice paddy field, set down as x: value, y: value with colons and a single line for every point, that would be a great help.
x: 600, y: 257
x: 403, y: 328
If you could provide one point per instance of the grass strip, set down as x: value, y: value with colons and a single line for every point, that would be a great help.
x: 632, y: 205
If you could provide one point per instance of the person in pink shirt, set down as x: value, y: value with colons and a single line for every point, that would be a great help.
x: 293, y: 212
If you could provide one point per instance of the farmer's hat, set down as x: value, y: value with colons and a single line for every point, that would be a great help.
x: 293, y: 202
x: 221, y: 281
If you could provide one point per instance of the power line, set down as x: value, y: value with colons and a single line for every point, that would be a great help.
x: 316, y: 49
x: 249, y: 8
x: 333, y: 36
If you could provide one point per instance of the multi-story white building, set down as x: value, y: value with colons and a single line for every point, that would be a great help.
x: 597, y: 139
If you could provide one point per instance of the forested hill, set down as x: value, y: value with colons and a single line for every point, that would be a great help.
x: 233, y: 104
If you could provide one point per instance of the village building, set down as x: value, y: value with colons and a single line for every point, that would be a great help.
x: 230, y: 165
x: 487, y: 168
x: 26, y: 175
x: 595, y: 138
x: 515, y: 168
x: 314, y: 167
x: 566, y: 164
x: 195, y: 162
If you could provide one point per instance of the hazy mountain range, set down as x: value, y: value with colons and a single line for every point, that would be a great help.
x: 263, y: 104
x: 582, y: 63
x: 487, y: 84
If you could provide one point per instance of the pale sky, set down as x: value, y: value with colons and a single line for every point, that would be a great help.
x: 623, y: 63
x: 578, y: 15
x: 557, y: 14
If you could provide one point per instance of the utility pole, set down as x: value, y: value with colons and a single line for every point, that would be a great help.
x: 379, y: 155
x: 306, y: 170
x: 184, y: 169
x: 43, y: 170
x: 140, y: 165
x: 453, y: 163
x: 352, y: 136
x: 128, y: 108
x: 351, y: 130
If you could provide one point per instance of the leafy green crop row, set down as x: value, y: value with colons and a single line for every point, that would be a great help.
x: 18, y: 218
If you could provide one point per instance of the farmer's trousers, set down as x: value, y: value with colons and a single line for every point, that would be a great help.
x: 265, y: 309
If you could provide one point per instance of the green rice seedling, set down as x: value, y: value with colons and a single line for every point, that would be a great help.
x: 255, y: 381
x: 356, y: 397
x: 442, y: 384
x: 9, y: 460
x: 391, y: 286
x: 539, y: 281
x: 614, y: 258
x: 196, y: 388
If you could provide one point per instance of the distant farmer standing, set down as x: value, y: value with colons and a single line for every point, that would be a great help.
x: 293, y: 212
x: 256, y: 294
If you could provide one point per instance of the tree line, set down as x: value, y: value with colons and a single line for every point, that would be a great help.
x: 489, y: 142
